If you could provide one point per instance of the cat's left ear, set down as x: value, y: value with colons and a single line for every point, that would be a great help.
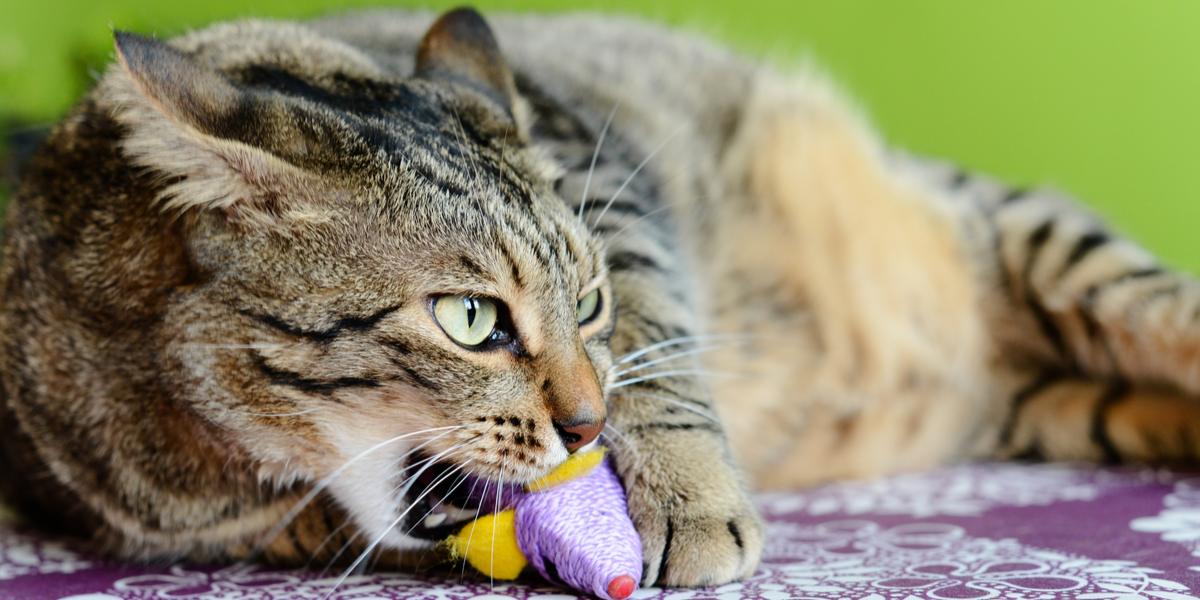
x: 460, y: 50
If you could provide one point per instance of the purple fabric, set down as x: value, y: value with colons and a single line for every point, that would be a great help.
x: 968, y: 532
x: 582, y: 527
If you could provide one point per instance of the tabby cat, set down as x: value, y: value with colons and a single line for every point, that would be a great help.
x: 301, y: 292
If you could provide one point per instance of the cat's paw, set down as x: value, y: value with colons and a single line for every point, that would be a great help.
x: 686, y: 543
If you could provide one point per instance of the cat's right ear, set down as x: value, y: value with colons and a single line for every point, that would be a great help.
x: 197, y: 127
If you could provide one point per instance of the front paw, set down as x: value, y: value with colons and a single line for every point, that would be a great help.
x: 695, y: 541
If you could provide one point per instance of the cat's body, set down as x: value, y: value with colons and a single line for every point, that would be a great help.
x: 178, y: 378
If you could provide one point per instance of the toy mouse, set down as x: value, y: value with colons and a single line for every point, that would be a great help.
x: 572, y: 525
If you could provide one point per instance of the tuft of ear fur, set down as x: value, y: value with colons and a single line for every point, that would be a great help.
x: 461, y: 49
x: 183, y: 121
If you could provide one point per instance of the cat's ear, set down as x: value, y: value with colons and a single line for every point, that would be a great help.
x: 461, y: 49
x: 190, y: 123
x: 180, y: 88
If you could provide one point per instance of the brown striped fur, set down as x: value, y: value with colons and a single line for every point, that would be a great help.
x: 218, y: 269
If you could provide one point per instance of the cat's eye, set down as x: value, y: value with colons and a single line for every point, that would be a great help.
x: 588, y: 306
x: 467, y: 320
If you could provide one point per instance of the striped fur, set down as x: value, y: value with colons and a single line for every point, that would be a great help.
x: 218, y: 270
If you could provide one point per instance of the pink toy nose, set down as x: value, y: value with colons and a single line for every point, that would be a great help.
x: 577, y: 435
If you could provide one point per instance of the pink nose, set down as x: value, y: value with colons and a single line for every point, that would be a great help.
x: 579, y: 434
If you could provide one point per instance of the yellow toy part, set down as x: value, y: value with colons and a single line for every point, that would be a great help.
x: 577, y: 465
x: 489, y: 543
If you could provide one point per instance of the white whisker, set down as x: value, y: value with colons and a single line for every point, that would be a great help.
x: 306, y: 411
x: 625, y: 443
x: 462, y: 478
x: 684, y: 405
x: 471, y: 538
x: 496, y: 510
x: 686, y: 339
x: 379, y: 539
x: 670, y: 357
x: 328, y: 479
x: 634, y: 173
x: 587, y: 184
x: 673, y: 373
x: 462, y: 138
x: 329, y: 538
x: 608, y: 241
x: 428, y: 461
x: 255, y: 346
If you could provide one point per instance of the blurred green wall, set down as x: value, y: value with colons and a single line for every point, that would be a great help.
x: 1097, y: 97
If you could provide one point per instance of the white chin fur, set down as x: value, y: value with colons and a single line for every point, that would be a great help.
x: 366, y: 491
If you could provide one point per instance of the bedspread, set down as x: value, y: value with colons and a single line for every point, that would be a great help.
x: 997, y: 530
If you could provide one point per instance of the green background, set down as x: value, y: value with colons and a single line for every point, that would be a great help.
x: 1096, y: 97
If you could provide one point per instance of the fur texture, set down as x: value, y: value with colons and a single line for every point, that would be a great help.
x: 219, y: 270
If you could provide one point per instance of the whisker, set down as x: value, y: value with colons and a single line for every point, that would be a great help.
x: 634, y: 173
x: 329, y: 538
x: 670, y: 357
x: 289, y: 516
x: 686, y: 339
x: 306, y: 411
x: 471, y: 538
x: 369, y: 565
x: 462, y: 138
x: 587, y: 184
x: 496, y: 510
x: 608, y: 241
x: 625, y: 442
x: 342, y: 550
x: 255, y: 346
x: 388, y: 529
x: 462, y: 478
x: 673, y: 373
x: 379, y: 539
x: 427, y: 461
x: 684, y: 405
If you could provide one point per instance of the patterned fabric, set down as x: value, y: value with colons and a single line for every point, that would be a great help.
x: 968, y: 532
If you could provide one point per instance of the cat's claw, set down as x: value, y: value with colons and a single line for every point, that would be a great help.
x: 689, y: 548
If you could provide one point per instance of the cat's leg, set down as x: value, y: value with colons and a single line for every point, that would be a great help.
x: 1056, y: 415
x: 686, y: 495
x: 1071, y: 293
x: 1097, y: 343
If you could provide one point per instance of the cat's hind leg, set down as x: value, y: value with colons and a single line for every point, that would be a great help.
x: 1104, y: 340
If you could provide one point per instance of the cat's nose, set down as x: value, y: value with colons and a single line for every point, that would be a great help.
x: 578, y: 434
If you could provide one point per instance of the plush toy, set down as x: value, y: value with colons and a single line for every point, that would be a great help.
x: 572, y: 525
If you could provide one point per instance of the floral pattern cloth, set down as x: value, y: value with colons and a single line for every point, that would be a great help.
x: 1005, y: 531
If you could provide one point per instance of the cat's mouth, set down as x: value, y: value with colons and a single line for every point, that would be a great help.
x: 443, y: 498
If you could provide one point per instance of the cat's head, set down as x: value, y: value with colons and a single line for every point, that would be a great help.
x: 386, y: 279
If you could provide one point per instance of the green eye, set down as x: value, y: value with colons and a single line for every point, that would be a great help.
x: 468, y: 321
x: 588, y: 306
